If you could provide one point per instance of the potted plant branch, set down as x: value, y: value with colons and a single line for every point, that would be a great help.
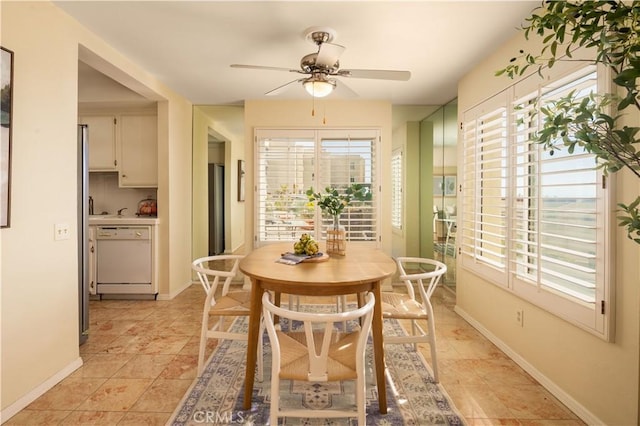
x: 611, y: 28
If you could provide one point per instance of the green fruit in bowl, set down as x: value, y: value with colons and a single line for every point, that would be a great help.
x: 299, y: 247
x: 306, y: 245
x: 305, y: 238
x: 312, y: 248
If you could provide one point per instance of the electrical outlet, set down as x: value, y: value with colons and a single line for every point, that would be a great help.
x: 520, y: 317
x: 61, y: 231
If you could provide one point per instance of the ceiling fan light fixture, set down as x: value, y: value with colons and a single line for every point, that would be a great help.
x: 319, y: 88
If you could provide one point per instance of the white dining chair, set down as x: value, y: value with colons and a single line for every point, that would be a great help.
x: 225, y: 305
x: 424, y: 274
x: 318, y: 351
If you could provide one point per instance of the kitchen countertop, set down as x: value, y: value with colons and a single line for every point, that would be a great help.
x: 122, y: 220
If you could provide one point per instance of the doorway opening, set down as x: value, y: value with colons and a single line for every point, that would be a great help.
x: 216, y: 184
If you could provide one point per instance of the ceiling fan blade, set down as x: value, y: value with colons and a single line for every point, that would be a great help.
x: 261, y: 67
x: 344, y: 90
x: 376, y: 74
x: 329, y: 54
x: 278, y: 90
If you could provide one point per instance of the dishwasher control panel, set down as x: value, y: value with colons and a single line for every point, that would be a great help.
x: 123, y: 233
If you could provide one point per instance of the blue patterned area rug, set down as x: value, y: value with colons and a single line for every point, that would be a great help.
x: 216, y: 397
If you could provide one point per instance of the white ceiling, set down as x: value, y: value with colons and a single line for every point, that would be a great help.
x: 189, y: 45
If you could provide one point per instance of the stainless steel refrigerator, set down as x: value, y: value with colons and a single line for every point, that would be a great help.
x: 83, y: 231
x: 216, y: 209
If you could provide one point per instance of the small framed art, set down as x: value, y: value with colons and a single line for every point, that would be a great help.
x: 450, y: 186
x: 241, y: 180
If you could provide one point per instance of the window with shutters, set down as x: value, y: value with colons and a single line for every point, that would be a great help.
x: 536, y: 221
x: 396, y: 189
x: 484, y: 200
x: 289, y: 162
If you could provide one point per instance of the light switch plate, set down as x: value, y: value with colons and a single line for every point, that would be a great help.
x: 61, y: 231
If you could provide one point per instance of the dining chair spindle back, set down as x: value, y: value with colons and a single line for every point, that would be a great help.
x: 321, y: 350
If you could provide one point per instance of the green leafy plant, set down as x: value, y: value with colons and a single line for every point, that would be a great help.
x: 334, y: 201
x: 612, y: 29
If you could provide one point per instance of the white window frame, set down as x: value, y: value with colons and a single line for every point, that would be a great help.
x: 314, y: 174
x: 592, y: 312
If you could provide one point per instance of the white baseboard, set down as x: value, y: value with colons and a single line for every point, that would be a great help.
x: 39, y: 390
x: 579, y: 409
x: 170, y: 296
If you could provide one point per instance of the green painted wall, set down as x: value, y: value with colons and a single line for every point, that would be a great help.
x: 413, y: 189
x: 426, y: 188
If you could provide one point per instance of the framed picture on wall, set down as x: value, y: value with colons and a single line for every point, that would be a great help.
x: 6, y: 98
x: 240, y: 180
x: 438, y: 186
x: 450, y: 186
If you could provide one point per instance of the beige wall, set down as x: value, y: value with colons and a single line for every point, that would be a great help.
x: 174, y: 192
x: 39, y: 312
x: 335, y: 114
x: 598, y: 380
x: 199, y: 187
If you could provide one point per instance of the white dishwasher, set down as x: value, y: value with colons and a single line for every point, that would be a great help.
x: 124, y: 260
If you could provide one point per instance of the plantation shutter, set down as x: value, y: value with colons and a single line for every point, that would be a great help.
x: 289, y: 162
x: 396, y: 189
x: 557, y: 230
x: 348, y: 157
x: 484, y: 195
x: 284, y: 169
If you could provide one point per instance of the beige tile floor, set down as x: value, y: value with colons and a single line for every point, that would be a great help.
x: 141, y: 357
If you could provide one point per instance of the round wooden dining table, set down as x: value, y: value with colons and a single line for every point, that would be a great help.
x: 361, y: 269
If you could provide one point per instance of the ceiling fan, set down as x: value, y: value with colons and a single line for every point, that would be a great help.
x: 323, y: 66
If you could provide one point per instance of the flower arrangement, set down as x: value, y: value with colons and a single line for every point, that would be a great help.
x: 334, y: 202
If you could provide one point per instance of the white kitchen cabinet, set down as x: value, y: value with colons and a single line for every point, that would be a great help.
x: 138, y: 153
x: 102, y: 142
